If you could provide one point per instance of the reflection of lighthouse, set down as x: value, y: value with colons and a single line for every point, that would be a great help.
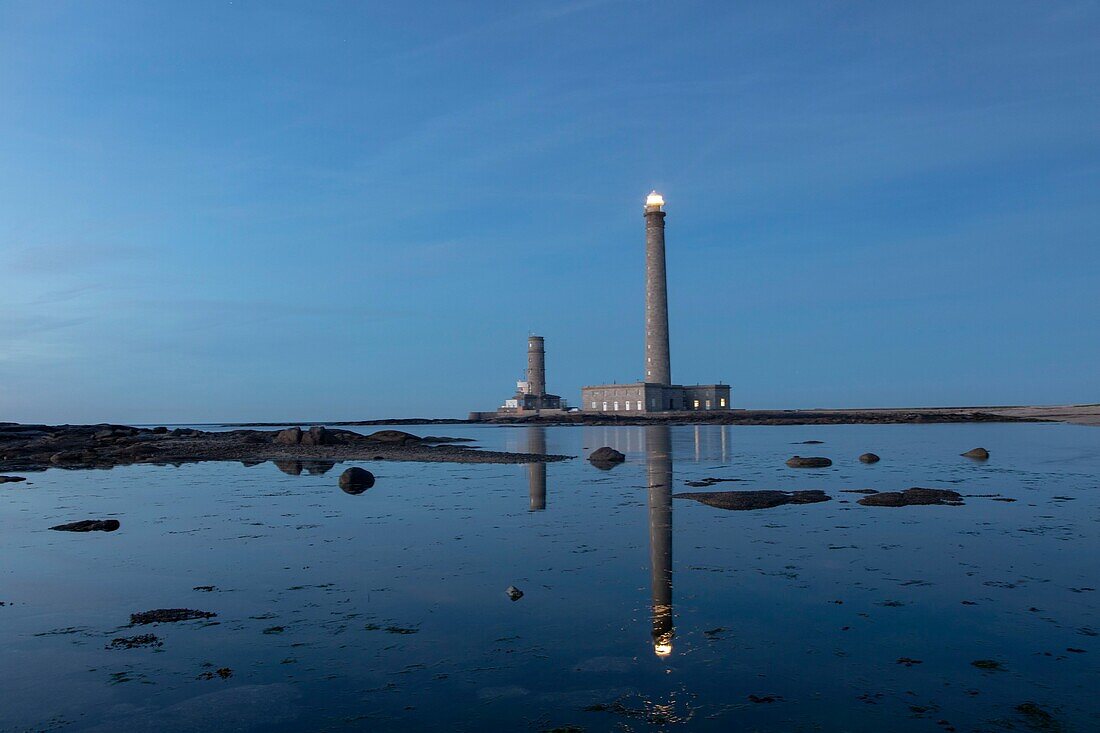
x: 536, y: 472
x: 658, y: 450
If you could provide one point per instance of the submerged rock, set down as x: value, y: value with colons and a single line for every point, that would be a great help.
x: 514, y: 593
x: 89, y: 525
x: 606, y: 457
x: 914, y: 497
x: 747, y: 500
x: 167, y: 616
x: 133, y: 642
x: 704, y: 483
x: 811, y: 462
x: 11, y: 479
x: 356, y: 480
x: 1037, y: 718
x: 869, y: 458
x: 979, y: 454
x: 989, y: 665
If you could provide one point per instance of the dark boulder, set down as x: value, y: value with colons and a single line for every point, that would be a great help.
x: 811, y: 462
x: 317, y: 435
x: 11, y: 479
x: 869, y: 458
x: 914, y: 497
x: 606, y: 457
x: 356, y: 480
x: 747, y: 500
x: 290, y: 436
x: 978, y: 454
x: 89, y: 525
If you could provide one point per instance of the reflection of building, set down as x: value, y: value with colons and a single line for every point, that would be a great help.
x: 536, y: 472
x: 656, y: 392
x: 658, y: 452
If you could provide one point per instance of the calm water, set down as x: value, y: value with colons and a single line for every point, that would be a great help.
x: 387, y: 610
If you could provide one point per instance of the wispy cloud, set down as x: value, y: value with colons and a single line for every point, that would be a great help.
x: 69, y: 257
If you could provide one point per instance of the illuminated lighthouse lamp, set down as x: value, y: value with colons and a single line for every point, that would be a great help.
x: 654, y: 199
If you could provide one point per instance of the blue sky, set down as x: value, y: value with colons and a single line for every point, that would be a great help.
x: 328, y: 210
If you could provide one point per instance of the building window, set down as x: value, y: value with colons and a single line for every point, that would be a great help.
x: 652, y: 401
x: 696, y: 404
x: 616, y: 406
x: 708, y: 404
x: 722, y: 402
x: 628, y: 404
x: 605, y: 407
x: 593, y: 405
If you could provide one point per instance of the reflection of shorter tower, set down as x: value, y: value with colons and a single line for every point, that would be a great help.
x: 536, y: 472
x: 658, y: 451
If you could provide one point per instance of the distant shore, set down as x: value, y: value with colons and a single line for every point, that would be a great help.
x: 1078, y: 414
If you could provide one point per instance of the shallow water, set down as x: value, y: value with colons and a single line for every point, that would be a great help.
x: 388, y: 611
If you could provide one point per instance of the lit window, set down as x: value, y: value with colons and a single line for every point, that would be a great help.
x: 722, y: 402
x: 696, y: 404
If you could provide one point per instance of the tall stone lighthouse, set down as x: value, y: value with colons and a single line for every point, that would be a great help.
x: 658, y: 369
x: 655, y: 392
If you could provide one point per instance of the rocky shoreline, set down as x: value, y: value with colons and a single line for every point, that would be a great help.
x: 730, y: 417
x: 38, y: 447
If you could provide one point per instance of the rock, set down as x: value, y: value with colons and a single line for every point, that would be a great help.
x: 11, y: 479
x: 514, y: 593
x: 989, y: 665
x: 859, y: 491
x: 290, y: 436
x: 67, y: 456
x: 89, y: 525
x: 393, y: 436
x: 705, y: 482
x: 225, y: 673
x: 133, y: 642
x: 606, y: 457
x: 914, y: 497
x: 811, y: 462
x: 316, y: 436
x: 748, y: 500
x: 1037, y: 718
x: 167, y: 616
x: 978, y: 454
x: 161, y: 430
x: 869, y: 458
x: 356, y: 480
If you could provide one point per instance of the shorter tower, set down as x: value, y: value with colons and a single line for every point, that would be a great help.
x: 531, y: 395
x: 536, y: 366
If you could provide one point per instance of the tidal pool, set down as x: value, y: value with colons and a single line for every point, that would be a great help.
x: 388, y: 610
